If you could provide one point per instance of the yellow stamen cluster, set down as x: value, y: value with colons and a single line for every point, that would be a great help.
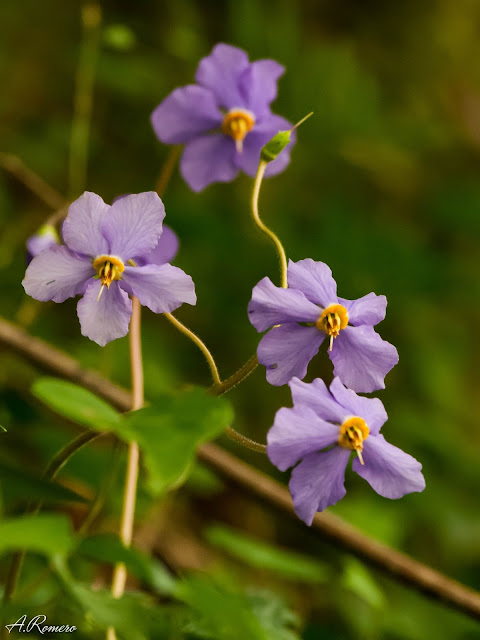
x: 109, y: 268
x: 333, y: 319
x: 237, y: 123
x: 353, y: 432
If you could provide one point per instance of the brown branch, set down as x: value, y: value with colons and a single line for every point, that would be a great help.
x: 395, y: 564
x: 32, y: 181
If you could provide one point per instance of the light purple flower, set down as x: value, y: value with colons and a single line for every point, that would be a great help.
x: 320, y: 432
x: 100, y: 260
x: 309, y: 311
x: 225, y: 119
x: 44, y: 238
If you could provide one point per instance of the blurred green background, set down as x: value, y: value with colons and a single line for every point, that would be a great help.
x: 383, y: 186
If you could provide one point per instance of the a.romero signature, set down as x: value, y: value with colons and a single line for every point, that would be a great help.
x: 38, y: 624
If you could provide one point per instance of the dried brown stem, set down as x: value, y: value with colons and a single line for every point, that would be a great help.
x: 399, y: 566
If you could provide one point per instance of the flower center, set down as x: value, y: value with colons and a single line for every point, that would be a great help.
x: 237, y: 123
x: 333, y: 319
x: 108, y: 268
x: 352, y: 434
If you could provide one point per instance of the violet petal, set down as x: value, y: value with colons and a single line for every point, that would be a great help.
x: 221, y: 71
x: 314, y: 279
x: 258, y: 84
x: 57, y: 274
x: 82, y: 228
x: 105, y: 319
x: 185, y: 114
x: 317, y: 397
x: 370, y: 309
x: 362, y: 359
x: 208, y: 159
x: 389, y: 470
x: 287, y: 350
x: 318, y: 482
x: 370, y: 409
x: 160, y: 288
x: 296, y: 433
x: 134, y: 224
x: 272, y: 305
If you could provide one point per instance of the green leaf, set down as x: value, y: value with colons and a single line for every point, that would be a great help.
x: 358, y: 579
x: 76, y: 404
x: 3, y: 429
x: 288, y: 564
x: 22, y: 483
x: 276, y: 618
x: 220, y: 612
x: 45, y: 533
x: 217, y: 613
x: 170, y: 432
x: 134, y: 615
x: 109, y: 548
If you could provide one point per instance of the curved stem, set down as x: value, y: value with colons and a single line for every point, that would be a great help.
x: 219, y: 388
x: 200, y: 344
x: 244, y: 441
x: 263, y: 227
x: 130, y: 491
x: 167, y: 169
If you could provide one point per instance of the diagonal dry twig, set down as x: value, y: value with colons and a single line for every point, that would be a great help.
x: 399, y: 566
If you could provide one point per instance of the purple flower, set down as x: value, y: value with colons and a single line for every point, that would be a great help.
x: 225, y: 119
x: 320, y: 431
x: 44, y: 238
x: 309, y: 311
x: 104, y: 246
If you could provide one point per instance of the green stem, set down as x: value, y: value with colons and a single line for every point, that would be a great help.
x: 83, y: 99
x: 200, y: 344
x: 244, y: 441
x: 224, y: 386
x: 263, y: 227
x: 167, y: 169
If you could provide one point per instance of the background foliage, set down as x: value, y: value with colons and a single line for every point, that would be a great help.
x: 383, y: 186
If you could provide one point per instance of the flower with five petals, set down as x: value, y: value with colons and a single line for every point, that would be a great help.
x: 108, y: 256
x: 309, y: 311
x: 224, y: 119
x: 321, y: 431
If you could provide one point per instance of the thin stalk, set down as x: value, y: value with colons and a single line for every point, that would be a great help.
x: 220, y: 387
x: 263, y: 227
x: 245, y: 370
x: 248, y: 443
x: 167, y: 169
x: 32, y: 180
x: 130, y: 491
x: 200, y: 344
x: 83, y: 99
